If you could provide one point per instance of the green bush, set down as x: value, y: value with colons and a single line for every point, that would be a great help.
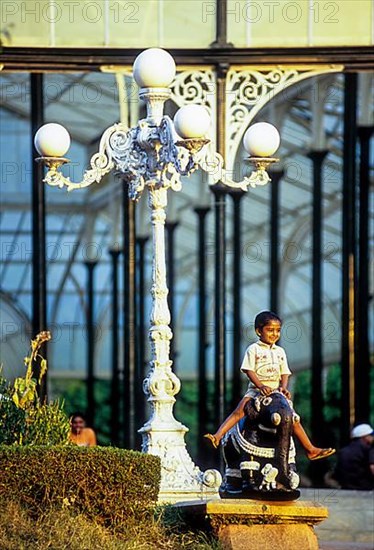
x: 105, y: 484
x: 12, y: 419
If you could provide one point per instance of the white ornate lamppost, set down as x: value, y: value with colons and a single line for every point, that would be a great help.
x: 155, y: 154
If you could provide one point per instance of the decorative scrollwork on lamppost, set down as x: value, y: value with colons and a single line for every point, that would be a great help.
x: 155, y: 154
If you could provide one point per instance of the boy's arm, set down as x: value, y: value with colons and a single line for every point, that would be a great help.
x: 265, y: 390
x: 283, y: 385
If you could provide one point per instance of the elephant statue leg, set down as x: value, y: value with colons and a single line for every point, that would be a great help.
x: 233, y: 475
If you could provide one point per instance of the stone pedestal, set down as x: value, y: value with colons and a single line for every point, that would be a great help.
x: 242, y: 524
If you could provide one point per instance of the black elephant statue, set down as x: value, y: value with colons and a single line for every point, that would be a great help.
x: 259, y: 451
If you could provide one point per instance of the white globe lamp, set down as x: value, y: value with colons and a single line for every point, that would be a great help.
x: 261, y: 140
x: 192, y: 121
x: 154, y: 68
x: 52, y: 140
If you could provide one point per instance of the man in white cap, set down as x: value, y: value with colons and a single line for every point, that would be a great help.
x: 355, y: 462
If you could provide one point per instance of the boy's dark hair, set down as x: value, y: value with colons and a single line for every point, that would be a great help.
x: 264, y: 317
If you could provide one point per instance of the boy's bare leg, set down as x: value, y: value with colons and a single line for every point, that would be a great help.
x: 312, y: 452
x: 228, y: 423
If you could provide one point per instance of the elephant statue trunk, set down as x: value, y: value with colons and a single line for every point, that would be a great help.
x: 282, y: 449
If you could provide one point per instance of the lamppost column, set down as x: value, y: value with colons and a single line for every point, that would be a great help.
x: 170, y: 231
x: 141, y: 243
x: 115, y: 382
x: 39, y: 275
x: 276, y: 177
x: 349, y: 257
x: 317, y: 158
x: 160, y: 331
x: 91, y: 404
x: 202, y: 332
x: 220, y: 305
x: 129, y: 320
x: 237, y: 291
x: 162, y: 434
x: 362, y: 375
x: 161, y: 384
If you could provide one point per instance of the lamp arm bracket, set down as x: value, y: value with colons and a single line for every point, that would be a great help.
x: 153, y: 154
x: 213, y: 164
x: 101, y: 162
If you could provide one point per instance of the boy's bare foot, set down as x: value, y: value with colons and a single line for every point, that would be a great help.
x: 212, y: 440
x: 316, y: 454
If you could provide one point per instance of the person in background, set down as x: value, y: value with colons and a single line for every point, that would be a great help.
x: 79, y: 433
x: 355, y: 462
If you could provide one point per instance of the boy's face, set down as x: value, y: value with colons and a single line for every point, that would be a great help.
x: 270, y: 333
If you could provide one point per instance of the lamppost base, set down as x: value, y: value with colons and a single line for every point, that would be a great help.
x: 181, y: 479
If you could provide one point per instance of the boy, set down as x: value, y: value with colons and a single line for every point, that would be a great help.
x: 266, y: 366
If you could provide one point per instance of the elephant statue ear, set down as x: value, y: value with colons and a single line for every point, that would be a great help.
x: 250, y: 409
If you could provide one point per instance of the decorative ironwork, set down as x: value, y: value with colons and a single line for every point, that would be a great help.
x: 197, y: 87
x: 248, y: 90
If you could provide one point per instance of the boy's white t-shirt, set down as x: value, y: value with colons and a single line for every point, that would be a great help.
x: 269, y: 362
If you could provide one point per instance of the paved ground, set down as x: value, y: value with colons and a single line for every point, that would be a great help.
x: 345, y: 546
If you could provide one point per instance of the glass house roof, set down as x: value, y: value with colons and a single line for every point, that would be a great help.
x: 82, y: 226
x: 185, y: 23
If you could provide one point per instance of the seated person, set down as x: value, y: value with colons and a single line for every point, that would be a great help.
x: 355, y: 462
x: 80, y: 434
